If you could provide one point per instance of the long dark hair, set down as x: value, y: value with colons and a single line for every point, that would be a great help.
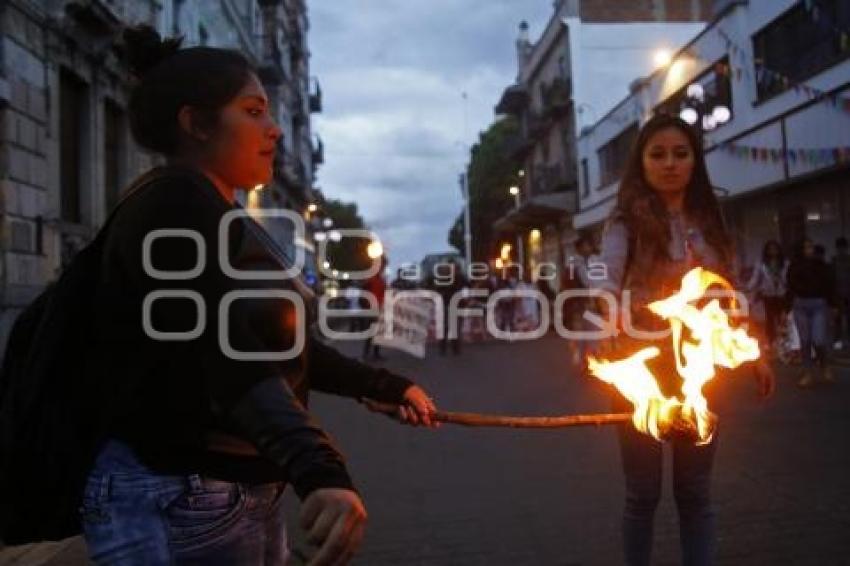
x: 645, y: 214
x: 765, y: 258
x: 168, y: 78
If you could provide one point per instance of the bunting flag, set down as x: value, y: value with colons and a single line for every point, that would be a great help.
x: 768, y: 77
x: 819, y: 156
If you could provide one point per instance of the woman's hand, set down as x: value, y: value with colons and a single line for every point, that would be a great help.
x: 765, y: 379
x: 417, y: 408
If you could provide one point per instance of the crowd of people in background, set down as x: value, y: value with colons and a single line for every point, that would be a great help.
x: 800, y: 304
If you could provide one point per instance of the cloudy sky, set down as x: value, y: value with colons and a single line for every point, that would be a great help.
x: 395, y: 124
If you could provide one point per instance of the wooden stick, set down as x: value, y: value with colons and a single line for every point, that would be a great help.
x: 479, y: 420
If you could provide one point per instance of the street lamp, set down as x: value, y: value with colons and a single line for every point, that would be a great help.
x: 697, y: 112
x: 661, y: 58
x: 375, y: 249
x: 515, y: 192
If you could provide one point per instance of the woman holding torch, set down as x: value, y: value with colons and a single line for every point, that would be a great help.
x: 198, y: 444
x: 666, y: 222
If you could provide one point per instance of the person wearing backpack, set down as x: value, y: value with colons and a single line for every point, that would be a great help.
x: 195, y: 420
x: 666, y: 222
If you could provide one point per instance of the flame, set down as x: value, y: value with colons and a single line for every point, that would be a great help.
x: 712, y: 342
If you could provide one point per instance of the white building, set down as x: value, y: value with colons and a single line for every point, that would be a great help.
x: 781, y: 161
x: 579, y: 67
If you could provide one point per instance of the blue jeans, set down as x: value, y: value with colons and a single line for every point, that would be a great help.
x: 642, y: 458
x: 133, y: 515
x: 811, y: 317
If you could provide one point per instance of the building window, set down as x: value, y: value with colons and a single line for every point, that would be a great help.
x: 114, y: 152
x: 72, y: 112
x: 800, y: 43
x: 614, y: 154
x: 585, y: 178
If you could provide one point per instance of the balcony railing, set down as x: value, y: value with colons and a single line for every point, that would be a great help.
x: 557, y: 97
x: 271, y: 69
x: 316, y: 96
x: 553, y: 178
x: 318, y: 152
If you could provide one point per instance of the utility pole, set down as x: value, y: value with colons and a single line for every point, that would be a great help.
x: 467, y: 229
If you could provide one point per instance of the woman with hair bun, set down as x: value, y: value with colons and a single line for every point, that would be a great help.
x: 199, y: 443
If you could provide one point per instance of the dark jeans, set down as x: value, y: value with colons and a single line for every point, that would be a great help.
x: 133, y: 515
x: 811, y: 316
x: 642, y: 458
x: 774, y: 319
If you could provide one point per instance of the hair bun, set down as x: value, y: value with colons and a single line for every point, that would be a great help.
x: 145, y: 48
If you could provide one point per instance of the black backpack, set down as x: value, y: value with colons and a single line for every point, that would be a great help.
x: 51, y: 426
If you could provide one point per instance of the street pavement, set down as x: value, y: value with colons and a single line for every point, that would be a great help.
x: 465, y: 496
x: 507, y: 497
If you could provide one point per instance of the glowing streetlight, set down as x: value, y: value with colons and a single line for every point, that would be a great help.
x: 312, y: 207
x: 327, y: 222
x: 689, y: 115
x: 661, y: 58
x: 514, y: 191
x: 506, y: 251
x: 320, y: 236
x: 326, y: 265
x: 334, y: 236
x: 375, y: 249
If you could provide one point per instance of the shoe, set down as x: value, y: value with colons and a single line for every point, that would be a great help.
x: 807, y: 380
x: 828, y: 376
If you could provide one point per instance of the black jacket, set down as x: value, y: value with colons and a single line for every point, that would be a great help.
x: 165, y: 397
x: 810, y: 278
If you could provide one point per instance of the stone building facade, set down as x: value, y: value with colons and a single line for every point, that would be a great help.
x: 66, y: 152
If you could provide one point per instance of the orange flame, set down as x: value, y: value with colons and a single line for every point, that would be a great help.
x: 712, y: 342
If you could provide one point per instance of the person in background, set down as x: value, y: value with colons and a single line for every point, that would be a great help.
x: 545, y: 287
x: 377, y: 285
x: 767, y: 283
x: 841, y: 272
x: 810, y: 283
x: 447, y: 283
x: 585, y: 248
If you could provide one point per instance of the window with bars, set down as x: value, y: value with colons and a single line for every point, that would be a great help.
x: 804, y: 41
